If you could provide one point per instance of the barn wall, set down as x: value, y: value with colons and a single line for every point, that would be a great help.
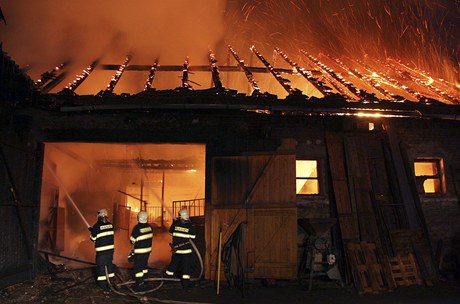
x: 20, y: 172
x: 441, y: 211
x: 310, y: 145
x: 242, y: 134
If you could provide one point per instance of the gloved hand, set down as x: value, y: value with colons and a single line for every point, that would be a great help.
x: 90, y: 229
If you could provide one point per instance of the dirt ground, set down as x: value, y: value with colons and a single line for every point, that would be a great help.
x: 78, y: 287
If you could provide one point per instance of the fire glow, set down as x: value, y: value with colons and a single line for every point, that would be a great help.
x: 124, y: 179
x: 412, y: 45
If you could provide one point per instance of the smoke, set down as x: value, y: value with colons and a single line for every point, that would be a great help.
x: 93, y: 175
x: 44, y: 33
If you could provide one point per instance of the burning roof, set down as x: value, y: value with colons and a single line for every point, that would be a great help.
x: 322, y: 75
x: 359, y: 51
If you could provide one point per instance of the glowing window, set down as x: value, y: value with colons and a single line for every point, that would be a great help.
x: 307, y: 181
x: 429, y: 175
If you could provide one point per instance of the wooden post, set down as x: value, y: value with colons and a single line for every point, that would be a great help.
x: 219, y: 260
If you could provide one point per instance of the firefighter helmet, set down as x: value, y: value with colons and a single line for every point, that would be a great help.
x: 142, y: 217
x: 102, y: 213
x: 184, y: 215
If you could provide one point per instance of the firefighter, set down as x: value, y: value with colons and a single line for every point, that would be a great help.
x: 182, y: 232
x: 102, y: 234
x: 141, y: 238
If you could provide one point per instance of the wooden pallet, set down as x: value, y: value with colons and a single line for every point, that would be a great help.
x: 369, y: 267
x: 404, y: 270
x: 413, y: 241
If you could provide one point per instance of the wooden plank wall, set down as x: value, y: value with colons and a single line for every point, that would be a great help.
x: 363, y: 200
x: 258, y: 189
x: 256, y: 179
x: 360, y: 186
x: 226, y: 220
x: 275, y: 241
x: 346, y: 211
x: 270, y: 245
x: 366, y: 207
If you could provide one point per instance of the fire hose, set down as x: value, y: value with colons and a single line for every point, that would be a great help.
x: 133, y: 293
x: 140, y: 295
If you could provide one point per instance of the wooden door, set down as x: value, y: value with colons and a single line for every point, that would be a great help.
x: 259, y: 191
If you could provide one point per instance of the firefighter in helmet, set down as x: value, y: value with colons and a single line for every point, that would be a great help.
x: 102, y: 234
x: 141, y: 238
x: 182, y: 232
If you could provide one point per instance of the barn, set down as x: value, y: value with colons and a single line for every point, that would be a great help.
x: 360, y: 184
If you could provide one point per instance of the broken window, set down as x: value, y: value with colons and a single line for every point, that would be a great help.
x: 429, y: 175
x: 307, y: 181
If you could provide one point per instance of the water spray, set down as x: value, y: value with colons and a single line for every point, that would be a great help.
x: 67, y: 194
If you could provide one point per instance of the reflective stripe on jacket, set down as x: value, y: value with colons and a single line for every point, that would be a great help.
x: 141, y: 237
x: 102, y: 234
x: 182, y: 232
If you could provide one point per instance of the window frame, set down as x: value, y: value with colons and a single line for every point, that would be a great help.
x: 317, y: 178
x: 439, y: 176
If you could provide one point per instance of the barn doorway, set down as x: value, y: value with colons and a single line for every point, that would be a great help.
x: 124, y: 178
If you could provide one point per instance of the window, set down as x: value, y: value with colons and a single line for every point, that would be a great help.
x: 307, y: 181
x: 429, y: 174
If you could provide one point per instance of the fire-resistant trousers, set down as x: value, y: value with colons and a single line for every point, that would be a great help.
x: 103, y: 260
x: 140, y: 266
x: 180, y: 260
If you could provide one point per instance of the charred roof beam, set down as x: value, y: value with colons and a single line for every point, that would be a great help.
x: 319, y: 85
x: 49, y: 76
x: 153, y: 70
x: 351, y: 91
x: 426, y: 82
x: 247, y: 72
x: 214, y: 70
x: 150, y: 164
x: 281, y: 80
x: 118, y: 74
x: 195, y: 68
x: 82, y: 77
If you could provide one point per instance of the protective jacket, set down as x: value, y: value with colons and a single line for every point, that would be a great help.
x: 182, y: 232
x: 103, y: 235
x: 141, y: 237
